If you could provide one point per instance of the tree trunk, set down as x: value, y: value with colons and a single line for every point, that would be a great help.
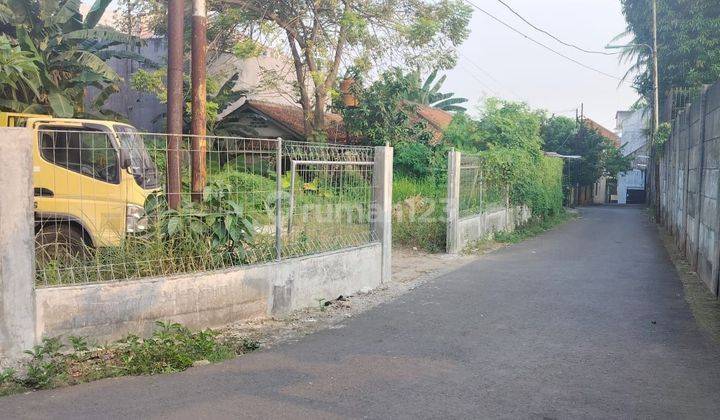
x: 318, y: 126
x: 302, y: 84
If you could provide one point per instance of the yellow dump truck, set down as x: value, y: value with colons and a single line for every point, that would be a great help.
x: 90, y: 179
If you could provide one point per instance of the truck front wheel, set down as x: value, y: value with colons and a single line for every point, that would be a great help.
x: 62, y: 243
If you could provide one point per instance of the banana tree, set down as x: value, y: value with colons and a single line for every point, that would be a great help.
x: 69, y: 50
x: 429, y: 94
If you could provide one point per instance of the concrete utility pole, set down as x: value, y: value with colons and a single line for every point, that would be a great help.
x: 199, y: 97
x: 656, y: 104
x: 656, y: 82
x: 656, y: 114
x: 176, y: 12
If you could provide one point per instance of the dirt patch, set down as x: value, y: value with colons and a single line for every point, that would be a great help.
x: 705, y: 307
x: 410, y: 268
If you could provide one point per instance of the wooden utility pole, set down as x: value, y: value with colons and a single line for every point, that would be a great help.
x: 198, y: 124
x: 176, y: 12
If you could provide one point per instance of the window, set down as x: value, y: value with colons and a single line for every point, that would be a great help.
x: 90, y: 153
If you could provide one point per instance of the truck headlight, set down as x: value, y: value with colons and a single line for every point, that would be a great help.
x: 135, y: 219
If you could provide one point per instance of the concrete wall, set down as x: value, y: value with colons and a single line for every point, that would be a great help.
x: 481, y: 226
x: 17, y: 250
x: 109, y: 311
x: 268, y: 77
x: 689, y: 187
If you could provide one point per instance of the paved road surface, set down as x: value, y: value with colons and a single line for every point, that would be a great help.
x: 585, y: 321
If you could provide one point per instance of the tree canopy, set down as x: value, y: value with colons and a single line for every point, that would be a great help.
x: 688, y: 43
x: 325, y: 36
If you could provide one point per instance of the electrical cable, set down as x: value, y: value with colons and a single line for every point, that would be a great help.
x: 529, y: 38
x: 553, y: 36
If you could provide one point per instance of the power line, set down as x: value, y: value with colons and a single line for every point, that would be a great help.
x: 490, y: 76
x: 553, y: 36
x: 541, y: 44
x: 483, y: 84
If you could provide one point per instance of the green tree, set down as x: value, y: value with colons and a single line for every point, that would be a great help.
x: 600, y: 156
x: 688, y: 43
x: 322, y: 35
x: 69, y: 51
x: 511, y: 125
x: 383, y: 115
x: 429, y: 94
x: 19, y: 74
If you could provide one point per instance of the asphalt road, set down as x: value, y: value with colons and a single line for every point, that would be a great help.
x: 587, y: 320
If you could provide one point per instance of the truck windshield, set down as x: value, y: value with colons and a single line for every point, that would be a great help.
x: 141, y: 165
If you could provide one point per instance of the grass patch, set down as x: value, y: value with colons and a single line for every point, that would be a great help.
x: 533, y: 227
x: 171, y: 348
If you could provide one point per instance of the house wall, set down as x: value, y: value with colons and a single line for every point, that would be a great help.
x: 268, y: 77
x: 632, y: 127
x: 634, y: 179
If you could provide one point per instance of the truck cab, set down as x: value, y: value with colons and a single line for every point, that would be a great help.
x: 91, y: 179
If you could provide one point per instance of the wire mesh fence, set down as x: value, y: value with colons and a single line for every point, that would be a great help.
x: 478, y: 192
x: 117, y: 204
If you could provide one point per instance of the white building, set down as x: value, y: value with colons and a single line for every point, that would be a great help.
x: 632, y: 127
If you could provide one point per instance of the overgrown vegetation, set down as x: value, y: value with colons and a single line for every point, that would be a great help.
x: 507, y: 138
x: 56, y: 54
x: 688, y: 41
x: 419, y: 212
x: 171, y: 348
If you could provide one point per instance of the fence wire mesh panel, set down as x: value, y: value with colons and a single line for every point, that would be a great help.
x: 117, y: 204
x: 479, y: 193
x: 329, y: 192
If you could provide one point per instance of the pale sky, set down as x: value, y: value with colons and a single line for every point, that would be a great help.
x: 521, y: 70
x: 517, y: 69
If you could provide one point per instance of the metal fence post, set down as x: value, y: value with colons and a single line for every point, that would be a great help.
x: 453, y: 202
x: 382, y: 205
x: 17, y: 250
x: 278, y: 199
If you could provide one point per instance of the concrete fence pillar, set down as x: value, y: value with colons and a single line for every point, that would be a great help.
x: 17, y: 250
x: 453, y: 202
x: 382, y: 211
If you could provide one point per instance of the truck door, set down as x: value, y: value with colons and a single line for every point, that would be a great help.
x: 77, y: 177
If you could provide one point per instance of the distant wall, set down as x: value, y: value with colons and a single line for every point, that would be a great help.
x: 628, y: 180
x: 689, y: 187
